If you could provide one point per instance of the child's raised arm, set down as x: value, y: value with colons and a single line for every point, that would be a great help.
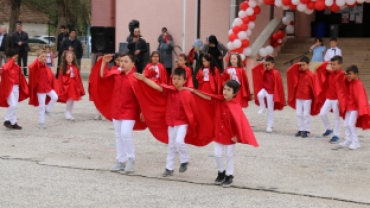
x: 106, y: 59
x: 147, y: 81
x: 206, y: 97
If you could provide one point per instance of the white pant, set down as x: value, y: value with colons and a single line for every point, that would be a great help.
x: 12, y: 101
x: 124, y: 140
x: 329, y: 105
x: 176, y: 137
x: 69, y: 108
x: 42, y: 98
x: 229, y: 153
x: 303, y: 109
x: 270, y: 105
x: 350, y: 126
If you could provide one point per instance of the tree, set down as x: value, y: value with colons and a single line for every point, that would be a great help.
x: 14, y: 16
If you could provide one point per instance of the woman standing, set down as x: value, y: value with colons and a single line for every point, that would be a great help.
x: 217, y: 51
x: 165, y: 49
x: 197, y: 57
x: 318, y: 50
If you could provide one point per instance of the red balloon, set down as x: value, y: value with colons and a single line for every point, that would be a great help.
x: 267, y: 2
x: 276, y: 44
x: 245, y: 43
x: 292, y: 6
x: 334, y: 8
x: 252, y: 18
x: 244, y: 6
x: 311, y: 5
x: 286, y: 2
x: 291, y: 23
x: 244, y: 27
x: 281, y: 34
x: 232, y: 37
x: 236, y: 29
x: 275, y: 36
x: 320, y: 5
x: 257, y: 10
x: 246, y: 20
x: 305, y: 1
x: 239, y: 50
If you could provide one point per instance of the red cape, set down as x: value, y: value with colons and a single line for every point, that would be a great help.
x: 244, y: 94
x: 189, y: 78
x: 363, y: 118
x: 163, y: 76
x: 106, y: 71
x: 102, y: 91
x: 293, y: 78
x: 7, y: 83
x: 34, y: 82
x: 65, y: 82
x: 279, y: 94
x: 214, y: 81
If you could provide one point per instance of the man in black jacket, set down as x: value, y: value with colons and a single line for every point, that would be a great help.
x: 73, y: 44
x: 20, y: 40
x: 61, y: 37
x: 138, y: 47
x: 6, y: 41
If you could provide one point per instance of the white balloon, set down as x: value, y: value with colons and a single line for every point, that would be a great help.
x: 242, y: 14
x: 247, y: 51
x: 242, y: 35
x: 263, y: 52
x: 238, y: 21
x: 237, y: 43
x: 280, y: 41
x: 289, y: 29
x: 230, y: 46
x: 242, y: 56
x: 278, y: 3
x: 251, y: 25
x: 250, y: 11
x: 308, y: 11
x: 350, y: 2
x: 360, y: 1
x: 252, y: 3
x: 296, y: 2
x: 340, y: 2
x: 289, y: 16
x: 232, y: 25
x: 285, y: 7
x: 231, y: 32
x: 301, y: 7
x: 329, y: 2
x: 286, y: 20
x: 270, y: 50
x: 249, y: 32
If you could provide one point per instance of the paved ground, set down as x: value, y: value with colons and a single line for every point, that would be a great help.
x: 67, y: 165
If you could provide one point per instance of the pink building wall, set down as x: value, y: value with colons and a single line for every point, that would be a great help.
x: 101, y: 13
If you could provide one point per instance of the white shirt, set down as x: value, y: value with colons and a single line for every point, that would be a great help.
x: 206, y: 74
x: 48, y: 58
x: 1, y: 39
x: 234, y: 77
x: 156, y: 70
x: 331, y: 52
x: 72, y: 74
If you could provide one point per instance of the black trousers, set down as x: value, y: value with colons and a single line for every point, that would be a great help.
x: 169, y: 72
x: 139, y: 67
x: 22, y: 55
x: 59, y: 59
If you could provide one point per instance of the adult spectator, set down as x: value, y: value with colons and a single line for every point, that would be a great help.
x: 138, y: 47
x: 61, y: 37
x: 73, y: 44
x: 6, y: 42
x: 217, y: 50
x: 165, y: 49
x: 20, y: 40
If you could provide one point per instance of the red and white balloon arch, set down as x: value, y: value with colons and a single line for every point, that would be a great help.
x: 244, y: 23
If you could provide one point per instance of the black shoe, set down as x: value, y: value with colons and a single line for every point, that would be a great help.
x: 7, y: 124
x: 298, y: 134
x: 167, y: 173
x: 220, y: 178
x: 305, y: 134
x: 16, y: 127
x: 183, y: 167
x: 228, y: 181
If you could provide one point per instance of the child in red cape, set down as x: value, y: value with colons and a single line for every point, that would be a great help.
x: 70, y: 82
x: 268, y: 86
x: 209, y: 77
x: 235, y: 71
x: 300, y: 95
x: 180, y: 117
x: 231, y: 126
x: 13, y: 89
x: 326, y: 94
x: 43, y: 87
x: 115, y: 97
x: 155, y: 70
x: 354, y: 106
x: 183, y: 63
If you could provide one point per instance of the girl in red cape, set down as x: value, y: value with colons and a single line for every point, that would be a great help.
x: 209, y: 77
x: 235, y: 71
x: 354, y: 106
x: 231, y: 126
x: 155, y: 70
x: 115, y: 97
x: 70, y: 82
x: 300, y: 95
x: 43, y: 87
x: 268, y: 86
x: 183, y: 62
x: 13, y: 89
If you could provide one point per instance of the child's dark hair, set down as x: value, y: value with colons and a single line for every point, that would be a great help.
x: 352, y: 68
x: 47, y: 46
x: 180, y: 72
x: 117, y: 55
x: 319, y: 39
x: 240, y: 62
x: 132, y: 57
x: 270, y: 59
x: 212, y: 63
x: 154, y: 53
x: 339, y: 59
x: 187, y: 62
x: 63, y: 27
x: 11, y: 52
x: 305, y: 59
x: 234, y: 85
x: 333, y: 39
